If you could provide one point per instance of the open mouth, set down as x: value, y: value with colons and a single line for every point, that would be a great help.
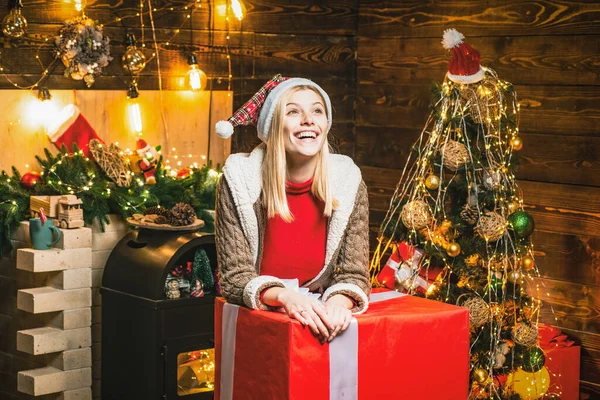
x: 306, y: 135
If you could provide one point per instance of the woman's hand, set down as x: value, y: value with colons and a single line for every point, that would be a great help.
x: 338, y: 310
x: 308, y: 311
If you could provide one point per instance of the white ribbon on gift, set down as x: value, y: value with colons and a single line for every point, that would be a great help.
x: 343, y: 354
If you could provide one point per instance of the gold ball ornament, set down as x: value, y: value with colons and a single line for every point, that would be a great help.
x: 480, y: 375
x: 529, y: 385
x: 528, y: 263
x: 432, y: 182
x: 14, y: 24
x: 416, y: 214
x: 514, y: 276
x: 516, y: 143
x: 453, y: 249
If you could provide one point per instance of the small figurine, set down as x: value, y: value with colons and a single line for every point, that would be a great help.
x: 173, y: 292
x: 197, y: 289
x: 149, y: 157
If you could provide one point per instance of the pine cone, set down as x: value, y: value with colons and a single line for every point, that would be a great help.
x: 165, y: 212
x: 469, y: 214
x: 183, y: 214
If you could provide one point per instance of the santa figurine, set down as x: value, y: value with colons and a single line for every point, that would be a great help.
x: 148, y: 159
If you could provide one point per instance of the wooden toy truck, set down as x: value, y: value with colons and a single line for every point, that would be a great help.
x: 65, y: 209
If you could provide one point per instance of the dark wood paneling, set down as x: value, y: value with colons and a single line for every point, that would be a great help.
x: 477, y: 18
x: 521, y: 60
x: 568, y: 110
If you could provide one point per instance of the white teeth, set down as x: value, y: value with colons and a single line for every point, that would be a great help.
x: 307, y: 135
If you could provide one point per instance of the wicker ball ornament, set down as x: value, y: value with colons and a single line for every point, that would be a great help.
x: 524, y: 334
x: 491, y: 226
x: 479, y: 311
x: 482, y: 100
x: 454, y: 155
x: 416, y: 214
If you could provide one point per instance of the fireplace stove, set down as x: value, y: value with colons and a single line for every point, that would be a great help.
x: 154, y: 347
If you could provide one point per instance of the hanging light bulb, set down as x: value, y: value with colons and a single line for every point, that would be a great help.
x: 14, y: 24
x: 44, y: 94
x: 239, y: 11
x: 133, y: 109
x: 195, y: 76
x: 79, y: 5
x: 133, y: 60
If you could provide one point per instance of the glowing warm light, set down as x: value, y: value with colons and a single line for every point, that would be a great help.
x: 239, y: 11
x: 41, y: 111
x: 133, y: 110
x: 196, y: 77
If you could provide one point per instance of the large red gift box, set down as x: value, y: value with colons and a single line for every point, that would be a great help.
x: 402, y: 347
x: 562, y: 361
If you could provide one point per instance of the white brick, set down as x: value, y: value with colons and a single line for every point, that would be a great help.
x: 99, y: 258
x: 96, y: 275
x: 41, y: 381
x: 77, y: 394
x: 53, y: 260
x: 22, y: 232
x: 51, y: 340
x: 106, y: 240
x: 117, y: 223
x: 72, y: 359
x: 41, y: 340
x: 75, y: 238
x: 73, y: 319
x: 48, y: 299
x: 71, y: 279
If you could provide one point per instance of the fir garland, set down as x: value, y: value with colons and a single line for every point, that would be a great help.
x: 74, y: 173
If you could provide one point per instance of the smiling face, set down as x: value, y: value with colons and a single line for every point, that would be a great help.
x: 304, y: 124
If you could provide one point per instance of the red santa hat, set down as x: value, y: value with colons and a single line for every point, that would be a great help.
x: 464, y: 65
x: 70, y: 127
x: 260, y: 108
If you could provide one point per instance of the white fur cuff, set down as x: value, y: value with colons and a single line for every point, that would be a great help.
x: 350, y: 290
x: 254, y: 288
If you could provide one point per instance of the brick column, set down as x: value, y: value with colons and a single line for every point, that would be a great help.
x: 64, y: 343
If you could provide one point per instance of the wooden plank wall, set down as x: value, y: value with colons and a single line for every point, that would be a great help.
x: 550, y: 50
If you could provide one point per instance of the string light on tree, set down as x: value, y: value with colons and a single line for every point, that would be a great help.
x: 14, y: 24
x: 196, y: 78
x: 133, y: 109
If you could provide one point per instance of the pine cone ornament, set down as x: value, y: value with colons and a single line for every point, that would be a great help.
x: 183, y: 214
x: 469, y: 214
x: 165, y: 212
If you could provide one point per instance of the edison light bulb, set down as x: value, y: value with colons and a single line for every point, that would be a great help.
x: 133, y: 60
x: 196, y: 77
x: 133, y: 110
x: 14, y: 23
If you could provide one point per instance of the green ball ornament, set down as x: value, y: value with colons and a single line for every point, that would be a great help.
x: 533, y: 359
x: 522, y: 223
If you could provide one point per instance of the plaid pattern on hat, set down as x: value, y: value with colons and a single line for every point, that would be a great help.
x: 248, y: 113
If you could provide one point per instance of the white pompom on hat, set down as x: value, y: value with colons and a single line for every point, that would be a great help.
x: 260, y: 108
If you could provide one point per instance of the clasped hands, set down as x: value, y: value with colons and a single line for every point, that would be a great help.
x: 325, y: 320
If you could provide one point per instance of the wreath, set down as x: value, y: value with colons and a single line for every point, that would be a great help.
x: 83, y: 49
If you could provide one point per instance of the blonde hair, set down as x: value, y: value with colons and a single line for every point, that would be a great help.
x: 275, y: 166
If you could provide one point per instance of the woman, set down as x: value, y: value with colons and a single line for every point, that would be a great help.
x: 290, y: 209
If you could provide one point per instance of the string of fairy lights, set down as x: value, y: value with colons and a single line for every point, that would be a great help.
x: 134, y: 60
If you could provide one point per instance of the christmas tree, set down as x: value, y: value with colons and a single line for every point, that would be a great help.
x: 457, y: 231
